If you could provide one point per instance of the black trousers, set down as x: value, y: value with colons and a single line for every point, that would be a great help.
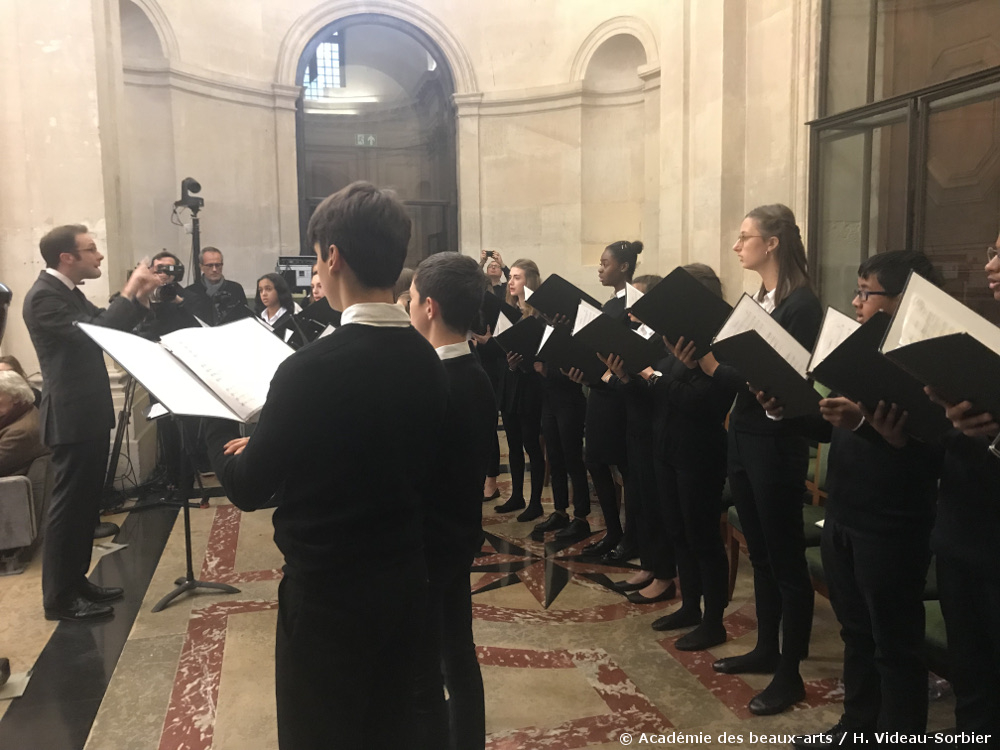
x: 447, y: 658
x: 562, y: 424
x: 607, y: 494
x: 493, y: 462
x: 970, y: 601
x: 690, y: 503
x: 74, y: 511
x: 876, y: 583
x: 523, y: 428
x: 656, y: 550
x: 767, y: 478
x: 345, y: 658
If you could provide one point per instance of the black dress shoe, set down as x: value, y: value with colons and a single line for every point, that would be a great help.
x: 601, y: 547
x: 577, y: 530
x: 703, y: 637
x: 533, y: 511
x: 682, y: 618
x: 80, y: 610
x: 100, y: 594
x: 775, y: 699
x: 668, y: 593
x: 512, y: 504
x: 494, y: 496
x: 106, y: 529
x: 750, y: 663
x: 830, y: 738
x: 623, y: 586
x: 623, y: 552
x: 553, y: 523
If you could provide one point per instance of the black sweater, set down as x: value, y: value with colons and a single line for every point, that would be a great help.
x: 453, y: 509
x: 346, y: 437
x: 801, y: 315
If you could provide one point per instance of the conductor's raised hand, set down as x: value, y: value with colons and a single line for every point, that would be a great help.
x: 840, y: 412
x: 235, y: 446
x: 982, y: 424
x: 140, y: 284
x: 514, y: 360
x: 889, y: 422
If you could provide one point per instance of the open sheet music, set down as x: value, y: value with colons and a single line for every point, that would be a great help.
x: 748, y: 315
x: 222, y: 372
x: 834, y: 332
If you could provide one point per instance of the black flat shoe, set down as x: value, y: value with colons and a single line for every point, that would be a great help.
x: 80, y: 610
x: 623, y: 586
x: 494, y: 496
x: 668, y: 593
x: 553, y: 523
x: 622, y: 552
x: 532, y: 512
x: 510, y: 506
x: 106, y: 529
x: 682, y: 618
x: 703, y: 637
x: 601, y: 547
x: 746, y: 664
x: 100, y: 594
x: 774, y: 700
x: 577, y: 530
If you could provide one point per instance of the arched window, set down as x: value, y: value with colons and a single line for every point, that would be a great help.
x: 326, y: 68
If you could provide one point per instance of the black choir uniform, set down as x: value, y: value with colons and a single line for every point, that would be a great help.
x: 494, y: 361
x: 453, y: 534
x: 520, y: 396
x: 767, y: 464
x: 564, y: 410
x: 605, y: 435
x: 876, y: 549
x: 690, y: 448
x: 348, y: 522
x: 77, y: 416
x: 965, y: 540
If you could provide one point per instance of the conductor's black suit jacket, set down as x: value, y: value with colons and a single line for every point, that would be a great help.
x: 76, y: 391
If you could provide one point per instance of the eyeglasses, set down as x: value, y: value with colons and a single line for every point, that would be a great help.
x: 864, y: 294
x: 991, y: 253
x: 744, y: 237
x: 211, y: 265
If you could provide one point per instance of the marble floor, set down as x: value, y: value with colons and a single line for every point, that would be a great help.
x: 567, y: 662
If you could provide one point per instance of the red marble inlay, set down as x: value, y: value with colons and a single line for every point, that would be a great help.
x: 220, y: 554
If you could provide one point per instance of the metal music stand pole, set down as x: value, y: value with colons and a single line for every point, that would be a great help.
x: 188, y: 582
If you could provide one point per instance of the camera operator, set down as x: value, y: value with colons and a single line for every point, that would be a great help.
x: 168, y: 313
x: 215, y: 299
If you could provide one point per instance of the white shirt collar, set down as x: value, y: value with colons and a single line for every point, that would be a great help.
x: 62, y: 277
x: 768, y: 302
x: 451, y: 351
x: 268, y: 319
x: 621, y: 293
x: 378, y: 314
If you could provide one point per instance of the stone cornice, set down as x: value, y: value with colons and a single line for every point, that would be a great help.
x: 545, y: 99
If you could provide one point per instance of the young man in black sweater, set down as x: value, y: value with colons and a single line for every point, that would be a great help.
x: 347, y: 488
x: 445, y: 297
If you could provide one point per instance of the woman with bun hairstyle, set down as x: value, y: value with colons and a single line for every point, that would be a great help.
x: 606, y: 419
x: 767, y: 463
x: 520, y: 399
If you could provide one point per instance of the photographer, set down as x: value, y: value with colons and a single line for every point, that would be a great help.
x: 214, y: 299
x: 168, y: 313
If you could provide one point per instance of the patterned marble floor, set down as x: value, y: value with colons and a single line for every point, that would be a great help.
x: 567, y: 662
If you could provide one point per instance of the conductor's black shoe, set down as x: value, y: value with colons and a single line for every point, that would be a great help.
x: 106, y: 529
x: 777, y: 698
x: 832, y: 737
x: 577, y: 530
x: 80, y: 610
x: 602, y: 547
x: 100, y: 594
x: 4, y: 671
x: 553, y: 523
x: 510, y: 506
x: 623, y: 552
x: 494, y: 496
x: 666, y: 595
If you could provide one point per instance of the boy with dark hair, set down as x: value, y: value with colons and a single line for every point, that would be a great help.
x: 445, y: 296
x: 882, y: 487
x: 347, y: 487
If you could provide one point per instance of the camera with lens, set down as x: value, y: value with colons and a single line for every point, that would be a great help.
x: 166, y: 293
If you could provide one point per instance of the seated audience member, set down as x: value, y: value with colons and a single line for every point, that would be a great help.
x: 20, y: 436
x: 965, y: 541
x: 10, y: 362
x: 881, y: 491
x: 214, y: 298
x: 445, y: 296
x: 348, y: 517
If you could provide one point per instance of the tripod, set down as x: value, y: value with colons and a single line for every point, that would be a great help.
x: 188, y: 582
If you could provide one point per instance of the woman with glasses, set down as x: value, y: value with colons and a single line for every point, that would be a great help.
x: 767, y: 468
x: 965, y: 537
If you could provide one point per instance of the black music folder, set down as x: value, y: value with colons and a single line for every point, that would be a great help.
x: 605, y: 336
x: 523, y: 337
x: 680, y: 305
x: 857, y: 370
x: 321, y: 312
x: 556, y: 296
x: 562, y: 351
